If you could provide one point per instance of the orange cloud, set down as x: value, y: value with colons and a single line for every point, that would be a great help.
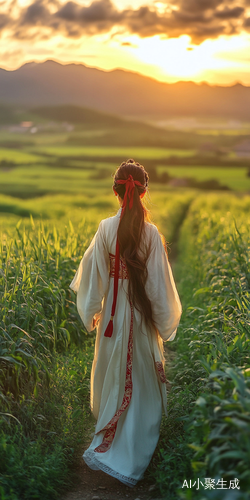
x: 200, y: 19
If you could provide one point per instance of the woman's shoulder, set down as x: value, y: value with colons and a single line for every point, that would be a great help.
x: 110, y: 224
x: 108, y: 227
x: 152, y: 230
x: 109, y: 221
x: 155, y: 236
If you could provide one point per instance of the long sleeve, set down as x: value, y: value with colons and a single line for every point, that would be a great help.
x: 162, y: 291
x: 91, y: 280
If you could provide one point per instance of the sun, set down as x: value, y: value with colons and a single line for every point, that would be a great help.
x: 178, y: 58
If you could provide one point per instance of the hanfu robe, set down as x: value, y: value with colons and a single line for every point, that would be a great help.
x: 128, y: 389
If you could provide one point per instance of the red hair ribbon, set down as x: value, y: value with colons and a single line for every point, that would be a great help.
x: 129, y: 191
x: 129, y: 194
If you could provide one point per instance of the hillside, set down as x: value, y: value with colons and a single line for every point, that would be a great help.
x: 83, y: 126
x: 119, y: 92
x: 90, y: 127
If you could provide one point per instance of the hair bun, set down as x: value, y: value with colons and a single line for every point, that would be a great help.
x: 134, y: 168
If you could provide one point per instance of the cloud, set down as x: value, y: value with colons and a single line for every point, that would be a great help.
x: 200, y: 19
x: 197, y: 5
x: 11, y: 54
x: 98, y: 17
x: 35, y: 13
x: 247, y: 23
x: 5, y: 20
x: 227, y: 13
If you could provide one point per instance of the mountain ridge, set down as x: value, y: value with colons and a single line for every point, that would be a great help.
x: 119, y: 92
x: 122, y: 70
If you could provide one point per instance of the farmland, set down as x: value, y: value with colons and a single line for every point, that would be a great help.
x: 51, y: 201
x: 41, y: 164
x: 234, y: 178
x: 210, y: 377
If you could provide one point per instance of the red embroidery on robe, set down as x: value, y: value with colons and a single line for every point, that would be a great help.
x: 110, y: 428
x: 123, y: 272
x: 160, y: 369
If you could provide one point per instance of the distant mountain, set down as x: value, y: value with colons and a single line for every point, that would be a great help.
x: 102, y: 128
x: 105, y: 129
x: 119, y: 92
x: 86, y: 117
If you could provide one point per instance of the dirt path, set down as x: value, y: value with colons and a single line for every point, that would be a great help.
x: 96, y: 485
x: 173, y: 251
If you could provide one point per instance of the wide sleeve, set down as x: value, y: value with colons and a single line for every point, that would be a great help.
x: 91, y: 280
x: 161, y: 290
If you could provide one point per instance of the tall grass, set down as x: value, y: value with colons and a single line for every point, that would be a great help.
x: 45, y: 353
x: 44, y: 396
x: 40, y: 436
x: 210, y: 398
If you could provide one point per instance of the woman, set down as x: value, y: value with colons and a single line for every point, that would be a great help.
x: 125, y: 287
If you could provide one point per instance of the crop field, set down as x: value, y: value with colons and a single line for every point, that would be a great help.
x: 40, y: 165
x: 234, y: 178
x: 48, y: 215
x: 210, y: 376
x: 146, y: 153
x: 22, y: 157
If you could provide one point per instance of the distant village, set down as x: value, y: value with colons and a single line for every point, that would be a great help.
x: 241, y: 150
x: 28, y: 127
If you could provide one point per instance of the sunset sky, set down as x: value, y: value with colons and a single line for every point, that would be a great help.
x: 198, y: 40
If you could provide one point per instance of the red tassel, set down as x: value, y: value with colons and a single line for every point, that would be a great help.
x: 109, y: 329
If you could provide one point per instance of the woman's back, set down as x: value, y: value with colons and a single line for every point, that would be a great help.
x: 125, y: 286
x: 110, y: 226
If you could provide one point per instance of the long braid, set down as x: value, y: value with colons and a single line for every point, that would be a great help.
x: 130, y: 232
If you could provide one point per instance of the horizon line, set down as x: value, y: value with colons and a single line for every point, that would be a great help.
x: 77, y: 63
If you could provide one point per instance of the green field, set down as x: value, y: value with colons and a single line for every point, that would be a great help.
x: 50, y: 208
x: 39, y: 180
x: 234, y: 178
x: 46, y: 354
x: 38, y: 165
x: 123, y: 152
x: 18, y: 156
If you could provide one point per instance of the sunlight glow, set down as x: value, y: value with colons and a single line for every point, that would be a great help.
x: 178, y: 58
x: 222, y: 61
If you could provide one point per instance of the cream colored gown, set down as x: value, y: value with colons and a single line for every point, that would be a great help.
x: 128, y: 390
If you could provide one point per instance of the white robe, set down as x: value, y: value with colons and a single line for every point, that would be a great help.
x: 138, y: 427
